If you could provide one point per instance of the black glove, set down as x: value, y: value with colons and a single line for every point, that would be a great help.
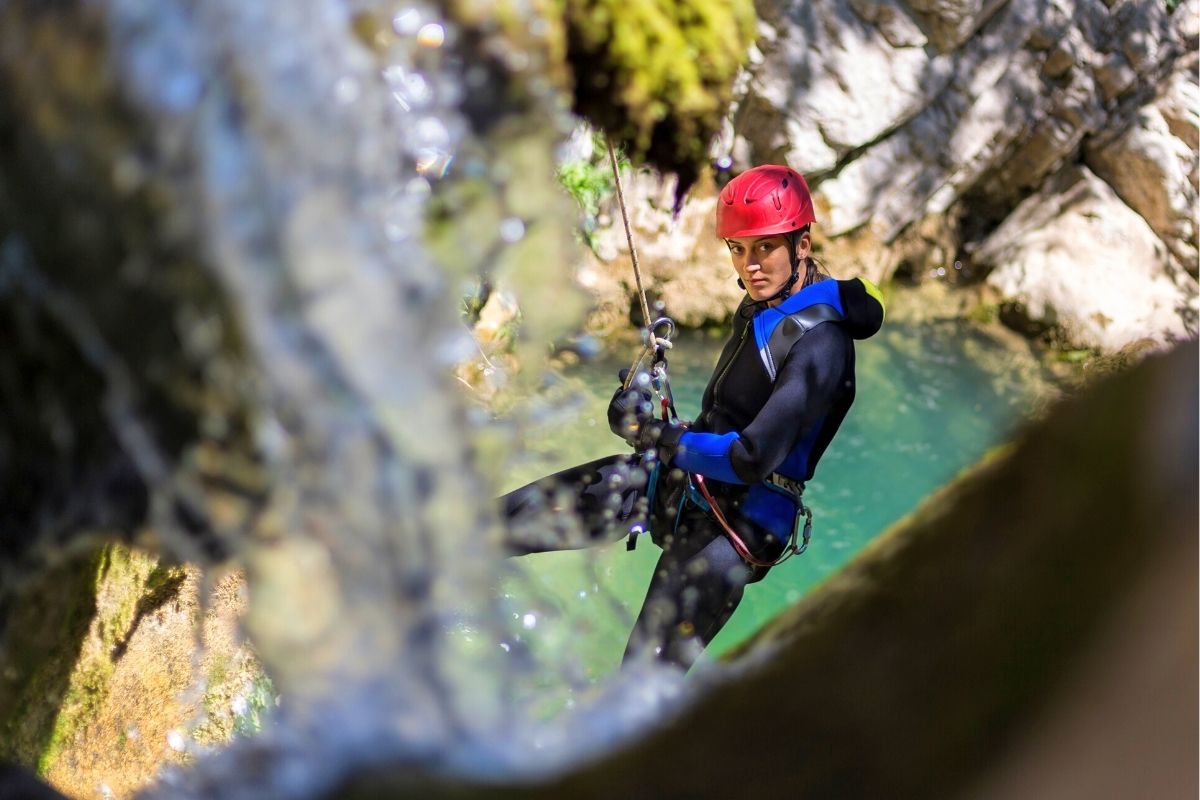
x: 631, y: 416
x: 629, y: 410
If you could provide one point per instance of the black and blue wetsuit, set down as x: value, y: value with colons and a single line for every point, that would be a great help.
x: 781, y: 388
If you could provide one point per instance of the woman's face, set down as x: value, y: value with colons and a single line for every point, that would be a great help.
x: 763, y: 264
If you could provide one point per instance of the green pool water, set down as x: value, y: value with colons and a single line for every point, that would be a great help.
x: 932, y: 399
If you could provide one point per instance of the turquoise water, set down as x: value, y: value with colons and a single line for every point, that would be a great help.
x: 932, y: 399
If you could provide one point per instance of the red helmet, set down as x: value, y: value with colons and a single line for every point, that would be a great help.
x: 762, y: 201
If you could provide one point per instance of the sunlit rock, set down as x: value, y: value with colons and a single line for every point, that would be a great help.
x: 1153, y: 169
x: 1076, y: 257
x: 830, y: 83
x: 684, y: 266
x: 916, y: 153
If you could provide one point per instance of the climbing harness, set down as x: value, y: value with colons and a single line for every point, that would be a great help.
x: 696, y: 491
x: 696, y: 486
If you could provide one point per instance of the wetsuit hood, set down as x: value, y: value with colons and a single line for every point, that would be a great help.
x: 862, y: 304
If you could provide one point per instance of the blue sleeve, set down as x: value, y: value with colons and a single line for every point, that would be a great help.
x: 707, y: 454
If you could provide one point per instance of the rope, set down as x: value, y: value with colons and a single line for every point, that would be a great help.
x: 651, y: 342
x: 731, y: 534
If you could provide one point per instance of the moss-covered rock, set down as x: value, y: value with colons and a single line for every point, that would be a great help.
x: 658, y: 75
x: 39, y: 647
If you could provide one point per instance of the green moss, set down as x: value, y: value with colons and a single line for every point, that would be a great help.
x: 41, y: 643
x: 81, y: 704
x: 984, y: 313
x: 658, y: 75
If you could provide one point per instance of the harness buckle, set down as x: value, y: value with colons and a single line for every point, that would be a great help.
x: 787, y: 485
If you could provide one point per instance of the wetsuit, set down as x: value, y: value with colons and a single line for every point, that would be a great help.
x: 781, y: 388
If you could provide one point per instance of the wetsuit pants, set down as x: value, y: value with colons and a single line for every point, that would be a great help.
x: 699, y: 578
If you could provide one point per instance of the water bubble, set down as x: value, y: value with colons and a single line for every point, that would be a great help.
x: 529, y: 622
x: 512, y: 229
x: 941, y: 272
x: 432, y: 132
x: 517, y: 61
x: 432, y: 35
x: 407, y: 22
x: 418, y: 187
x: 175, y: 741
x: 433, y: 162
x: 347, y: 90
x: 724, y: 162
x: 958, y: 265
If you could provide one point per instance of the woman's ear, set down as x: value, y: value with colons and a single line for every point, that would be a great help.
x: 804, y: 246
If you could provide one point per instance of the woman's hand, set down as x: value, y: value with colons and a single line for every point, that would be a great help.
x: 629, y: 411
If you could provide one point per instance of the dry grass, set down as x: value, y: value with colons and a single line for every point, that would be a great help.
x: 174, y: 673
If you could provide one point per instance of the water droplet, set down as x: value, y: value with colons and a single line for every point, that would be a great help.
x: 529, y: 622
x: 512, y: 229
x: 958, y: 265
x: 506, y: 647
x: 941, y: 272
x: 418, y: 187
x: 347, y: 90
x: 407, y: 22
x: 175, y: 741
x: 433, y: 163
x: 431, y: 35
x: 724, y: 162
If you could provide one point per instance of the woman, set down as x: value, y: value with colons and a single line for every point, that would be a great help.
x: 722, y: 496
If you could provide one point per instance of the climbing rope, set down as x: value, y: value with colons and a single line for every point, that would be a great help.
x: 653, y: 343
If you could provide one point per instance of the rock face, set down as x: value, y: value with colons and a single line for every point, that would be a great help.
x: 1010, y: 94
x: 923, y: 125
x: 684, y: 267
x: 1075, y: 256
